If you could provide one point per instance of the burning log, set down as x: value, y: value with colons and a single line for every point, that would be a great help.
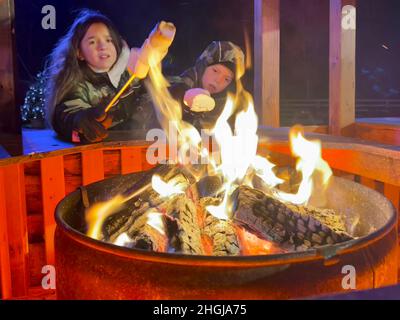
x: 182, y: 226
x: 142, y: 235
x: 218, y: 236
x: 142, y: 197
x: 188, y: 228
x: 294, y: 227
x: 222, y: 235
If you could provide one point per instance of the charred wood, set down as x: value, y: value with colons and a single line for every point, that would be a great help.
x: 294, y: 227
x: 183, y: 229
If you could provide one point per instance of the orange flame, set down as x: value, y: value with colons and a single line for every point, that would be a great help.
x: 309, y: 161
x: 98, y: 213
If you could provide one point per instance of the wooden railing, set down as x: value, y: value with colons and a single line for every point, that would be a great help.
x: 316, y: 111
x: 31, y: 186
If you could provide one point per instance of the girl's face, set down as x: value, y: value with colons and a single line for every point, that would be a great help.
x: 216, y: 78
x: 97, y: 48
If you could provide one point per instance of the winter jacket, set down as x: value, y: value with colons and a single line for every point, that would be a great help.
x: 96, y: 91
x: 217, y: 52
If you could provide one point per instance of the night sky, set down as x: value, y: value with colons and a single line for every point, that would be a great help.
x: 304, y: 38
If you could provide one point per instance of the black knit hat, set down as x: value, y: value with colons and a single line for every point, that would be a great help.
x: 230, y: 65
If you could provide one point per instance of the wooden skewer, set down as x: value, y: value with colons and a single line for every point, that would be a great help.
x: 120, y: 92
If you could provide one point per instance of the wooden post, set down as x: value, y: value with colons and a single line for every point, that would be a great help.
x: 342, y: 51
x: 5, y: 271
x: 266, y: 60
x: 10, y: 123
x: 53, y: 190
x: 15, y: 201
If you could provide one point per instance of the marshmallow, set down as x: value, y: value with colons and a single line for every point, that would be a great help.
x: 153, y: 50
x: 199, y: 100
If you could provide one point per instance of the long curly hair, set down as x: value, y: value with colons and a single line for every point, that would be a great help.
x: 63, y: 68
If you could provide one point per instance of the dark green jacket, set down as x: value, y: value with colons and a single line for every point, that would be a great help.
x: 130, y: 112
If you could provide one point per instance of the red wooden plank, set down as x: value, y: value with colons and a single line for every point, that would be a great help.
x: 370, y: 183
x: 145, y: 164
x: 5, y: 272
x: 393, y: 194
x: 371, y: 165
x: 17, y: 227
x: 131, y: 160
x: 92, y: 166
x: 53, y: 190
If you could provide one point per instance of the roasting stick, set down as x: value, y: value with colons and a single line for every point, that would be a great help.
x: 120, y: 92
x: 155, y: 47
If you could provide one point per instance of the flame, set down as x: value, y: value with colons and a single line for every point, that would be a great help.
x: 221, y: 211
x: 165, y: 189
x: 309, y: 161
x: 97, y: 213
x: 238, y: 152
x: 155, y: 220
x: 263, y: 169
x: 123, y: 240
x: 169, y: 114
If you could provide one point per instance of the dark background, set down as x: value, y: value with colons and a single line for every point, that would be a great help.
x: 304, y: 38
x: 305, y: 49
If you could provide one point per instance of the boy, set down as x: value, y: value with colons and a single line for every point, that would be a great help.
x: 203, y: 89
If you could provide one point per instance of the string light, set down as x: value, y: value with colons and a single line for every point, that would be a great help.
x: 33, y: 107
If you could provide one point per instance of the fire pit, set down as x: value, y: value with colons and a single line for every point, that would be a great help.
x: 93, y: 269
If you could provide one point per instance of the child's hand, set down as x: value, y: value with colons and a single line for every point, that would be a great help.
x: 199, y: 100
x: 87, y: 123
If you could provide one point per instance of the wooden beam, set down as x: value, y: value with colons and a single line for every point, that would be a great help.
x: 267, y: 60
x: 5, y: 272
x: 53, y: 190
x: 342, y: 51
x: 10, y: 122
x: 15, y: 200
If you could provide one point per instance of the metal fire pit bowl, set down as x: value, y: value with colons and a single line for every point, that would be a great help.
x: 91, y: 269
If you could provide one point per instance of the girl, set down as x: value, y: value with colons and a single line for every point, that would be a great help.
x: 86, y: 69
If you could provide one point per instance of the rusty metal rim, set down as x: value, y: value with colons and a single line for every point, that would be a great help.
x: 321, y: 253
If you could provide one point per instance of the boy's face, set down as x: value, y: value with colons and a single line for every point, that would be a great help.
x: 216, y: 78
x: 97, y: 48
